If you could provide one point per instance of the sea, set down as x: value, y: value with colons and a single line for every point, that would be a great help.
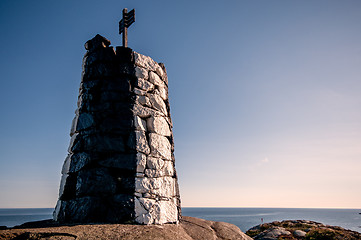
x: 244, y: 218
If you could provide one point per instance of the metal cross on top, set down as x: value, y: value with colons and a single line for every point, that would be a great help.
x: 128, y: 19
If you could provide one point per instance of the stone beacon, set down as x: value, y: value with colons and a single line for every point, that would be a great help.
x: 121, y: 166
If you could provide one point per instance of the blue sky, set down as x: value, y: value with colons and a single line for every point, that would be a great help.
x: 265, y: 96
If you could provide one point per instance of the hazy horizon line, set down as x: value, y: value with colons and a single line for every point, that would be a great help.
x: 212, y: 207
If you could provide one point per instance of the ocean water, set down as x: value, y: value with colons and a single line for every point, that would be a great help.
x: 244, y: 218
x: 11, y: 217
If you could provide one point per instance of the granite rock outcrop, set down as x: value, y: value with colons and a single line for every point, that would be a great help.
x: 189, y: 229
x: 301, y: 229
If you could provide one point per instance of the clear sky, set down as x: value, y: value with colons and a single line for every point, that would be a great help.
x: 265, y: 96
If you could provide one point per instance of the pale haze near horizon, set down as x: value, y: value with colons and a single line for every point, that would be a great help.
x: 265, y: 96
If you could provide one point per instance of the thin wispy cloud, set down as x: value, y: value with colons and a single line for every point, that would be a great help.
x: 263, y: 162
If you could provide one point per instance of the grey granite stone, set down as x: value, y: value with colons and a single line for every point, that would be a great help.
x: 120, y: 166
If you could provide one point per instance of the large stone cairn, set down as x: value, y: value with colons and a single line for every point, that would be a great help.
x: 121, y: 166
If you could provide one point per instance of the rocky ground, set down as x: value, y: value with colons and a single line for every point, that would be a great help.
x: 188, y: 229
x: 301, y: 229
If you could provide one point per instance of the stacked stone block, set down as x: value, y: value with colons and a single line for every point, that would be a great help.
x: 121, y: 166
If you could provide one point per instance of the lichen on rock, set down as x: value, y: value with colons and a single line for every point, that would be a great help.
x: 300, y: 229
